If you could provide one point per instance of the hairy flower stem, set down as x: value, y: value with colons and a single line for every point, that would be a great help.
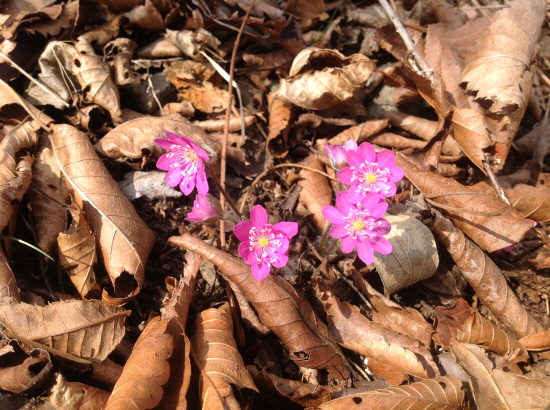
x: 224, y: 192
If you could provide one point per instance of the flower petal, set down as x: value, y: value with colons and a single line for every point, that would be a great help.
x: 338, y: 231
x: 371, y: 200
x: 378, y: 210
x: 171, y: 136
x: 384, y: 228
x: 201, y: 153
x: 283, y: 245
x: 174, y: 177
x: 242, y: 230
x: 367, y: 152
x: 289, y: 229
x: 245, y: 253
x: 164, y: 143
x: 202, y: 183
x: 387, y: 188
x: 364, y: 251
x: 345, y: 175
x: 385, y: 158
x: 166, y: 160
x: 261, y: 270
x: 351, y: 145
x: 354, y: 195
x: 258, y: 216
x: 354, y: 159
x: 397, y: 174
x: 281, y: 260
x: 347, y: 244
x: 343, y: 204
x: 333, y: 215
x: 187, y: 185
x: 381, y: 245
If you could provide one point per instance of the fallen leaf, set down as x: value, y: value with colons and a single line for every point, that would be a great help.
x: 89, y: 329
x: 484, y: 276
x: 316, y: 192
x: 221, y: 365
x: 110, y: 214
x: 536, y: 342
x: 328, y: 76
x: 414, y: 256
x: 281, y: 114
x: 77, y: 396
x: 150, y: 184
x: 359, y: 133
x: 280, y: 308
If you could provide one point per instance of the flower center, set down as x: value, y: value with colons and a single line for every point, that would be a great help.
x: 371, y: 177
x: 263, y: 243
x: 190, y: 155
x: 360, y: 223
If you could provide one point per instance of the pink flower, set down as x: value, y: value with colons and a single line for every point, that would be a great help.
x: 360, y: 226
x: 184, y: 163
x: 264, y: 244
x: 203, y: 209
x: 337, y: 153
x: 369, y: 172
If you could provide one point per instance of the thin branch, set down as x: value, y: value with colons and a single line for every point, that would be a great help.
x: 496, y: 185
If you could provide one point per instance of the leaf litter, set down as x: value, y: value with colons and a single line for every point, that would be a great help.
x: 395, y: 176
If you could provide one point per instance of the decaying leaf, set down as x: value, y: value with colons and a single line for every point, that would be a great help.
x: 439, y: 393
x: 536, y: 342
x: 354, y: 331
x: 222, y: 367
x: 150, y: 184
x: 488, y: 221
x: 280, y: 308
x: 85, y: 328
x: 359, y: 133
x: 497, y: 389
x: 335, y: 78
x: 316, y: 192
x: 123, y: 240
x: 77, y: 396
x: 414, y: 255
x: 280, y: 121
x: 77, y: 253
x: 485, y: 277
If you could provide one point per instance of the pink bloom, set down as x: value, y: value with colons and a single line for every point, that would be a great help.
x: 203, y: 209
x: 360, y: 226
x: 184, y: 163
x: 369, y: 172
x: 264, y: 244
x: 337, y: 153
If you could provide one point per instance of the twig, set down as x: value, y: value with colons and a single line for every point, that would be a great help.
x: 35, y: 81
x: 417, y: 63
x: 223, y: 163
x: 224, y: 192
x: 496, y: 185
x: 154, y: 95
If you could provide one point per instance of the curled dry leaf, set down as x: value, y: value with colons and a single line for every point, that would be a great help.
x: 77, y: 396
x: 118, y: 53
x: 123, y: 240
x: 335, y: 79
x: 414, y: 256
x: 354, y: 331
x: 359, y: 133
x: 438, y: 393
x: 77, y: 253
x: 280, y: 308
x: 135, y: 139
x: 485, y: 277
x: 85, y: 328
x: 536, y: 342
x: 219, y: 125
x: 281, y: 114
x: 475, y: 329
x: 316, y: 192
x: 221, y: 365
x: 150, y: 184
x: 163, y: 382
x: 488, y: 221
x: 21, y: 372
x: 391, y: 140
x: 496, y: 389
x: 94, y: 76
x: 48, y: 193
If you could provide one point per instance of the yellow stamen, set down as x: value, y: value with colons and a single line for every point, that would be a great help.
x: 190, y: 156
x: 358, y: 225
x: 263, y: 242
x: 371, y: 178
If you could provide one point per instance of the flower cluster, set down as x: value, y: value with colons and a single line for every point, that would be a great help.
x: 357, y: 216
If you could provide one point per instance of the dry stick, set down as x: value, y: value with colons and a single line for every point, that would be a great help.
x: 35, y: 81
x: 417, y: 62
x: 224, y: 192
x: 500, y: 192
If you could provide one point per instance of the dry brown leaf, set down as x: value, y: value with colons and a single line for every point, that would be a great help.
x: 354, y: 331
x: 281, y: 114
x: 135, y: 139
x: 48, y: 193
x: 485, y: 278
x: 391, y: 140
x: 470, y: 211
x: 280, y: 308
x: 21, y: 372
x: 164, y: 349
x: 536, y: 142
x: 160, y: 48
x: 106, y: 372
x: 8, y: 284
x: 414, y: 256
x: 94, y: 76
x: 335, y: 78
x: 438, y: 393
x: 77, y: 253
x: 359, y: 133
x: 123, y: 239
x: 89, y: 329
x: 316, y: 192
x: 118, y: 53
x: 446, y: 285
x: 305, y: 394
x: 222, y: 367
x: 146, y: 17
x: 536, y: 342
x: 496, y: 389
x: 219, y: 125
x: 473, y: 328
x: 77, y: 396
x: 150, y: 184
